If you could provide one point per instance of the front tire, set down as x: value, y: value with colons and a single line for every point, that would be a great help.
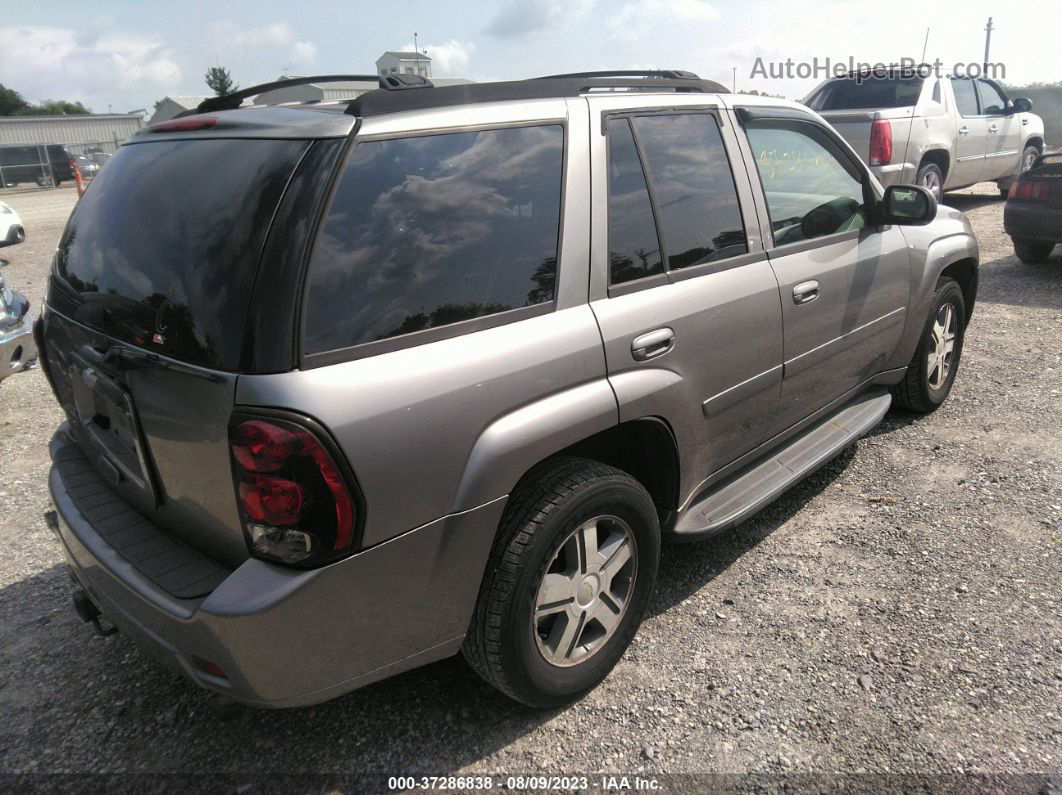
x: 567, y: 583
x: 1033, y: 252
x: 931, y: 373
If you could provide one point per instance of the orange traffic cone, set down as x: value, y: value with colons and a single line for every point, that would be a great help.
x: 77, y: 178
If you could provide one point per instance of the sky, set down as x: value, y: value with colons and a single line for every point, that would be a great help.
x: 123, y: 56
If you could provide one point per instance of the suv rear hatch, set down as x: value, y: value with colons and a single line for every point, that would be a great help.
x: 146, y: 318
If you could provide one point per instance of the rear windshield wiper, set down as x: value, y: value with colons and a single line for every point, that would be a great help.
x: 118, y: 355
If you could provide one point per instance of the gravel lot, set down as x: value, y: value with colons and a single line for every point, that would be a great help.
x: 899, y: 612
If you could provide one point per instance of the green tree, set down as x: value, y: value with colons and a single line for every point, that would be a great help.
x: 56, y: 107
x: 219, y: 80
x: 11, y: 102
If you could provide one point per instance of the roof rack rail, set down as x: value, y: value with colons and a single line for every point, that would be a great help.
x: 668, y: 74
x: 396, y: 82
x: 376, y: 103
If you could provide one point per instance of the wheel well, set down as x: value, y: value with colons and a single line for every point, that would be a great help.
x: 939, y: 158
x: 965, y: 273
x: 1036, y: 141
x: 645, y: 449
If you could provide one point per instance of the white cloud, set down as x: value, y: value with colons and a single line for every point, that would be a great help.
x: 522, y: 18
x: 238, y: 42
x: 637, y: 16
x: 448, y: 59
x: 60, y: 63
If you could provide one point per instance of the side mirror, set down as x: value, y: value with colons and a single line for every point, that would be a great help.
x: 909, y: 205
x: 1020, y: 105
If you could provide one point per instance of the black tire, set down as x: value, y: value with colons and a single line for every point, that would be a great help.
x: 931, y: 171
x: 1033, y: 252
x: 915, y: 393
x: 550, y: 502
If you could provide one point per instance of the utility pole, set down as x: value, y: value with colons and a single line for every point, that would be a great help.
x: 416, y: 49
x: 988, y: 42
x: 733, y: 82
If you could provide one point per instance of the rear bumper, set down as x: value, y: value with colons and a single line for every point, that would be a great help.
x: 286, y: 637
x: 1030, y: 222
x: 895, y: 174
x: 18, y: 350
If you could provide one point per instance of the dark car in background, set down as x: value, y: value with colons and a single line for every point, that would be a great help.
x: 44, y: 164
x: 1033, y: 214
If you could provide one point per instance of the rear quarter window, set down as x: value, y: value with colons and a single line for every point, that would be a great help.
x: 427, y: 231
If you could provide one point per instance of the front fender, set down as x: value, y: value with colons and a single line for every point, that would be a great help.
x: 516, y: 441
x: 934, y: 247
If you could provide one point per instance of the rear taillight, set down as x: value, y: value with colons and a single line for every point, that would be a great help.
x: 294, y: 500
x: 1031, y: 191
x: 880, y: 143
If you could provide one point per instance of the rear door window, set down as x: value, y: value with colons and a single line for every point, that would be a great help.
x: 965, y: 96
x: 633, y: 245
x: 693, y: 188
x: 427, y: 231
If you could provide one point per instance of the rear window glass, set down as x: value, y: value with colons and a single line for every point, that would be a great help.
x: 162, y: 250
x: 431, y: 230
x: 849, y: 93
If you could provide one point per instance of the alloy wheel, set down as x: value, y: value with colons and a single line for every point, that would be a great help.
x: 941, y: 352
x: 585, y: 591
x: 931, y: 181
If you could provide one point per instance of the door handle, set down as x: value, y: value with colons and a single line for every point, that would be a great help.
x: 652, y: 344
x: 994, y: 128
x: 806, y: 292
x: 964, y: 131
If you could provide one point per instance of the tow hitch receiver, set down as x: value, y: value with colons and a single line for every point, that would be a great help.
x: 87, y: 611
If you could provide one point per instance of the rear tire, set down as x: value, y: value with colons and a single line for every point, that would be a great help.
x: 1033, y: 252
x: 930, y: 176
x: 551, y: 516
x: 931, y: 372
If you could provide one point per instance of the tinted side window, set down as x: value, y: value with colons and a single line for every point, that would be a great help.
x: 965, y: 98
x: 427, y: 231
x: 991, y: 100
x: 633, y: 246
x: 694, y: 188
x: 810, y: 189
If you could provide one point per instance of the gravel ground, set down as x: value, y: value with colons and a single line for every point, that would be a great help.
x: 899, y: 612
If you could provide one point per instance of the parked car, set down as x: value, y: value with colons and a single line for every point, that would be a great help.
x: 46, y: 164
x: 1033, y: 214
x: 18, y: 351
x: 440, y: 366
x: 941, y: 133
x: 11, y: 229
x: 87, y: 166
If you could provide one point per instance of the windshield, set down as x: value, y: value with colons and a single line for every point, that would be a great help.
x: 162, y: 250
x: 850, y: 93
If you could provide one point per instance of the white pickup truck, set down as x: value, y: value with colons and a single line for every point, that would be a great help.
x: 938, y: 132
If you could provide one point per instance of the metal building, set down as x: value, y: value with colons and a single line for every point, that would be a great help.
x: 80, y: 133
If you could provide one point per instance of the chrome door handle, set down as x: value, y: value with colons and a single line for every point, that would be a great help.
x: 994, y: 128
x: 806, y: 292
x: 652, y: 344
x: 964, y: 131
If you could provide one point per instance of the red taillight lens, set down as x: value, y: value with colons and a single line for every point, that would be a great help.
x: 301, y: 512
x: 261, y: 446
x: 880, y: 143
x: 187, y: 124
x: 1031, y: 191
x: 274, y: 501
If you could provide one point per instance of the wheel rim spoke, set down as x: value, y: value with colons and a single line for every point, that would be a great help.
x: 585, y: 591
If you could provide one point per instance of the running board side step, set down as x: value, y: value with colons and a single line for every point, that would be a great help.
x: 743, y: 495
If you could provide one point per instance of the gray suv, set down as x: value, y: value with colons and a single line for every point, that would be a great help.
x: 351, y: 387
